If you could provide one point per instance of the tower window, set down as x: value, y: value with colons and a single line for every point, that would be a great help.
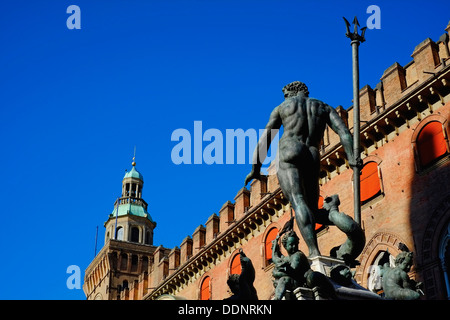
x: 144, y: 264
x: 119, y: 233
x: 134, y: 234
x: 147, y: 238
x: 134, y: 263
x: 124, y: 261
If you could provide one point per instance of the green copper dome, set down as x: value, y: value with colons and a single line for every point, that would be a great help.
x: 132, y: 209
x: 133, y: 173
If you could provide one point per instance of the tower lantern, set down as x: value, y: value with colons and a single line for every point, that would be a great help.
x: 130, y: 220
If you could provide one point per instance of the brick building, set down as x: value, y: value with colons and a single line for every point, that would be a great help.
x: 405, y: 198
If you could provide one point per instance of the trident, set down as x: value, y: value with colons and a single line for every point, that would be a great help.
x: 356, y: 40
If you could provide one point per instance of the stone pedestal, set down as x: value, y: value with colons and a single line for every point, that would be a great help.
x: 323, y: 264
x: 302, y: 293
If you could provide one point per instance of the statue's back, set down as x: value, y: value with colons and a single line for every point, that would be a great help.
x: 304, y: 118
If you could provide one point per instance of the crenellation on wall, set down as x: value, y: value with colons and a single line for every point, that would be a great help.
x: 367, y: 103
x: 226, y: 214
x: 198, y: 239
x: 174, y: 259
x: 258, y: 190
x: 242, y: 203
x: 426, y: 59
x: 272, y: 179
x: 185, y: 249
x: 394, y: 82
x: 162, y: 270
x: 212, y: 228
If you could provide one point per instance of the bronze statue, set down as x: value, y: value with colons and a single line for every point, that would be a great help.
x: 241, y: 285
x: 304, y: 120
x: 353, y: 246
x: 293, y: 271
x: 395, y: 281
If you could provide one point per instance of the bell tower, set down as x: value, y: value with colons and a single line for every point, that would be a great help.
x: 130, y: 220
x: 121, y: 268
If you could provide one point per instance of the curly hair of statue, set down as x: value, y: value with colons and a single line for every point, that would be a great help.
x: 296, y: 87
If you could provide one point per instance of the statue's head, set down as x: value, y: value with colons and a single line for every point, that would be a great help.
x: 341, y: 274
x: 290, y: 241
x: 404, y: 260
x: 233, y: 283
x: 294, y: 88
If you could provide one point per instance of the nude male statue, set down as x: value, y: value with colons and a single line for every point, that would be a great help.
x: 304, y: 120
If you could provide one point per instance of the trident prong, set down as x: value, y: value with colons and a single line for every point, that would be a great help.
x: 347, y: 24
x: 355, y: 36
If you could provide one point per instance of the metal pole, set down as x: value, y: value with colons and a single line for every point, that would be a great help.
x: 356, y: 40
x: 356, y: 129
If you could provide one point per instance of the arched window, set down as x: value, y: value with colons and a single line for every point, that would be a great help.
x: 370, y: 182
x: 271, y: 235
x: 119, y: 233
x: 205, y: 293
x: 147, y: 238
x: 144, y: 264
x: 236, y: 265
x: 431, y: 144
x: 124, y: 261
x: 134, y: 263
x: 134, y: 234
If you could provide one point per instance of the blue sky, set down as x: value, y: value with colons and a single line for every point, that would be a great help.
x: 74, y: 103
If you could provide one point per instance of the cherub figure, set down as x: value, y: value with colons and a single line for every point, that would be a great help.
x: 395, y: 281
x: 294, y: 271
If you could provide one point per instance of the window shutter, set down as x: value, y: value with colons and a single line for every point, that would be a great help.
x: 204, y: 290
x: 236, y: 265
x: 431, y: 143
x: 370, y: 182
x: 268, y: 243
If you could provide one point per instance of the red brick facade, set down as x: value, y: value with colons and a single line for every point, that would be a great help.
x: 411, y: 206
